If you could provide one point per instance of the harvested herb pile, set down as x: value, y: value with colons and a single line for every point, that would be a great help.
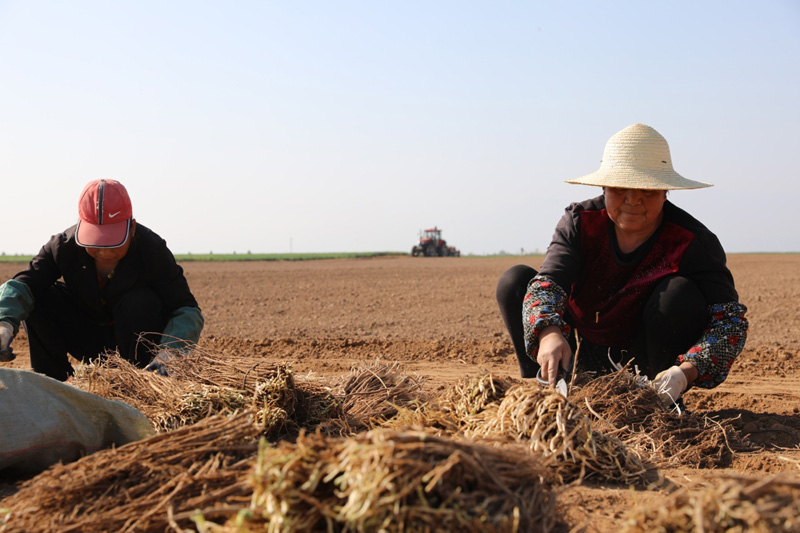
x: 486, y: 407
x: 397, y: 481
x: 371, y: 394
x: 145, y: 485
x: 730, y: 504
x: 551, y: 425
x: 206, y: 448
x: 197, y: 387
x: 370, y: 451
x: 472, y: 395
x: 667, y: 438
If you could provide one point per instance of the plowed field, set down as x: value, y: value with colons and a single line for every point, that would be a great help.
x: 438, y: 318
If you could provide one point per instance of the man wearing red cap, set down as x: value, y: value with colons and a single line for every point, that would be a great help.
x: 102, y: 284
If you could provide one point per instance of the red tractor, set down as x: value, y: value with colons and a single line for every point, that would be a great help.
x: 431, y: 244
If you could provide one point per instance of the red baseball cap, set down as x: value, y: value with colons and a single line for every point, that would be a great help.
x: 105, y: 211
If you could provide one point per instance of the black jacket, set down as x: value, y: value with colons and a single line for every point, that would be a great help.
x: 148, y: 263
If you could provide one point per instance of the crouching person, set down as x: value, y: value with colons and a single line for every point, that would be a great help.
x: 640, y: 279
x: 103, y: 284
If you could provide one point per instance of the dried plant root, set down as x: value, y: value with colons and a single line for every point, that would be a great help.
x: 370, y: 395
x: 397, y: 481
x: 136, y: 487
x: 471, y: 395
x: 665, y: 437
x: 113, y: 377
x: 732, y: 504
x: 551, y: 425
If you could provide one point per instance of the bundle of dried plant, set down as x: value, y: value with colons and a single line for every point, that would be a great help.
x: 113, y: 377
x: 385, y: 480
x: 551, y: 425
x: 471, y: 395
x: 730, y: 504
x: 197, y: 365
x: 690, y: 439
x: 372, y: 392
x: 280, y: 406
x: 423, y: 416
x: 619, y: 399
x: 284, y: 408
x: 667, y: 438
x: 277, y: 391
x: 205, y: 401
x: 146, y: 485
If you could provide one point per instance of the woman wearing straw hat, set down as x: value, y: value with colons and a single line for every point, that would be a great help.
x: 641, y: 281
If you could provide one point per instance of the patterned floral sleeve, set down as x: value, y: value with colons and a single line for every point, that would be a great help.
x: 543, y: 306
x: 720, y: 344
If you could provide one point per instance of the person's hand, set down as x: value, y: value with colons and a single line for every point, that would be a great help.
x: 6, y: 336
x: 670, y: 384
x: 554, y: 352
x: 157, y: 365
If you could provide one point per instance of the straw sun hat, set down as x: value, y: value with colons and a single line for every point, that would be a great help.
x: 638, y: 158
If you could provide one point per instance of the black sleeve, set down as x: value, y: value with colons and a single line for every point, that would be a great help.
x: 705, y: 263
x: 165, y: 275
x: 562, y: 263
x: 43, y: 270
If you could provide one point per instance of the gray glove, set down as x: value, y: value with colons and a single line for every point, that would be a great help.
x: 158, y: 365
x: 6, y: 336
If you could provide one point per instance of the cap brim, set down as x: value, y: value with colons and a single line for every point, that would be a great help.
x: 102, y: 235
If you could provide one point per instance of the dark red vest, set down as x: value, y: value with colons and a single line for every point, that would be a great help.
x: 607, y: 300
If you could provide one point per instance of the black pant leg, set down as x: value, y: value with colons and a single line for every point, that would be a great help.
x: 675, y: 317
x: 511, y: 289
x: 57, y: 327
x: 138, y: 324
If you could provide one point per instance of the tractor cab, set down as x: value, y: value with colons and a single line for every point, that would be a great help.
x: 433, y: 235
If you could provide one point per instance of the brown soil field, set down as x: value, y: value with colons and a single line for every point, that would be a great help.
x: 437, y: 317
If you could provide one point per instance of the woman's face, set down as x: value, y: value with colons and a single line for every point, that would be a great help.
x: 635, y: 210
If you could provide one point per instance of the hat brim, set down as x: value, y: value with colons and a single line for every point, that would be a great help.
x: 632, y: 179
x: 91, y: 235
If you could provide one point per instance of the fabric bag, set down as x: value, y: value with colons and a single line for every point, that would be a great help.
x: 44, y: 421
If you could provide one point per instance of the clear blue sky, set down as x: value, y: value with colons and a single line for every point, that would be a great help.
x: 350, y: 125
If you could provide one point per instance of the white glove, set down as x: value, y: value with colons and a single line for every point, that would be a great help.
x: 157, y: 364
x: 6, y: 334
x: 670, y: 384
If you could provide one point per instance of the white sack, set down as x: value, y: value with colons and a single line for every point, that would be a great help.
x: 44, y: 421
